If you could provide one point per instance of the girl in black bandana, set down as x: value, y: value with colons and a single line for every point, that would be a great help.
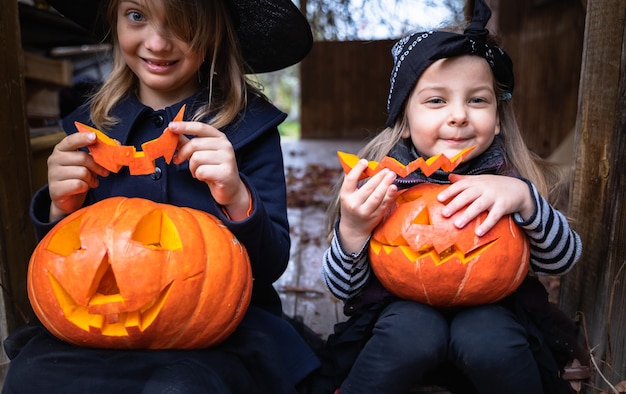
x: 449, y: 91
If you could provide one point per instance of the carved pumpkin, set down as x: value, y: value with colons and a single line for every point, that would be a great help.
x: 132, y: 273
x: 420, y: 255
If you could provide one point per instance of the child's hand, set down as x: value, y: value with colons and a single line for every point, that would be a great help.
x: 212, y: 160
x: 71, y: 173
x: 362, y: 208
x: 498, y: 195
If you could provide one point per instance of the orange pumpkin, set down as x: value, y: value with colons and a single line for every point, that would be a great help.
x: 420, y: 255
x: 132, y: 273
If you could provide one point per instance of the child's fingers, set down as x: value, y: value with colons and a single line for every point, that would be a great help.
x: 470, y: 213
x: 75, y: 141
x: 368, y: 197
x: 452, y: 190
x: 66, y: 153
x: 457, y: 200
x: 353, y: 176
x: 376, y: 187
x: 180, y: 155
x: 487, y: 224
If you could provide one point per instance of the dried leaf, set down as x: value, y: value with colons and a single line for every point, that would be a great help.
x: 310, y: 186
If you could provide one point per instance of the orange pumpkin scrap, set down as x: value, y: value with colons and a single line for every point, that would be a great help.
x: 420, y: 255
x: 132, y: 273
x: 439, y: 161
x: 110, y: 154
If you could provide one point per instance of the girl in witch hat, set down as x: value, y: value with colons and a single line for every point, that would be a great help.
x: 170, y: 53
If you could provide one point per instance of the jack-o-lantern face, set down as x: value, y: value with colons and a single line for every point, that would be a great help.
x: 420, y: 255
x: 132, y: 273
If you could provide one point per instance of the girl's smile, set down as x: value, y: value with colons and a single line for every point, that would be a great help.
x: 456, y: 141
x: 159, y: 66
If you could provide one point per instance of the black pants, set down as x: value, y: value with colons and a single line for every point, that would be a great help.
x: 507, y: 347
x: 264, y: 355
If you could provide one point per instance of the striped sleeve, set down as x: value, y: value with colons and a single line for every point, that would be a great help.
x: 554, y: 246
x: 345, y: 274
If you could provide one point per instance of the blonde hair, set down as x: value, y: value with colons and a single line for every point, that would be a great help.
x: 208, y: 28
x: 549, y: 178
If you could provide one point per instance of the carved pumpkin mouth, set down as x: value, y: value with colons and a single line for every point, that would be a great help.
x: 107, y: 313
x: 453, y: 252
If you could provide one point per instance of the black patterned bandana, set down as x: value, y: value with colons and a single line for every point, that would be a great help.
x: 414, y: 53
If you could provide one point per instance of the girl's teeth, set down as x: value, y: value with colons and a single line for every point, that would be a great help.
x: 161, y: 64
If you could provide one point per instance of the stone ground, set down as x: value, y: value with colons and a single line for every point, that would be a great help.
x: 311, y: 169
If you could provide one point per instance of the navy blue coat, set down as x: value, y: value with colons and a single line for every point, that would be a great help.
x: 256, y: 142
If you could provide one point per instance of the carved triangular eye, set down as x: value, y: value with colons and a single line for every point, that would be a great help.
x: 157, y: 231
x: 66, y: 240
x: 423, y: 217
x: 423, y: 214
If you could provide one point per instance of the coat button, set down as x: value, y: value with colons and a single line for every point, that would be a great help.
x: 158, y: 120
x: 156, y: 175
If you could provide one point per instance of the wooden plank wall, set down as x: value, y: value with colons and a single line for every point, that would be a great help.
x: 545, y: 41
x: 344, y: 87
x: 596, y: 288
x: 345, y: 84
x: 17, y: 238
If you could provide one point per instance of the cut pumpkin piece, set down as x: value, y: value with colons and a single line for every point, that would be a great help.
x: 110, y: 154
x: 427, y: 167
x: 141, y: 164
x: 166, y: 144
x: 107, y: 151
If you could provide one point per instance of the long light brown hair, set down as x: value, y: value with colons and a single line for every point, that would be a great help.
x: 208, y: 28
